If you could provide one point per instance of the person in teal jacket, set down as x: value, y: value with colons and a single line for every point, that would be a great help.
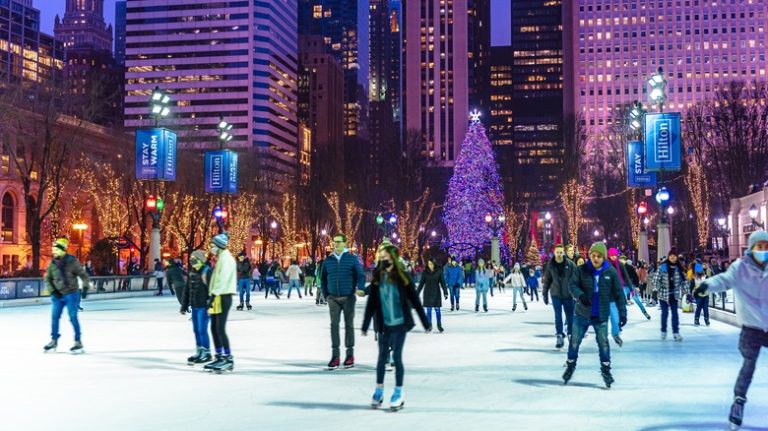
x: 454, y: 278
x: 482, y: 285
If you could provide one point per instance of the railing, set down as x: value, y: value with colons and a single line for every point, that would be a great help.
x: 20, y: 288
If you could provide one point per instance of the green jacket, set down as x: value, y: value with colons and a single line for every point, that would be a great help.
x: 65, y: 282
x: 609, y: 290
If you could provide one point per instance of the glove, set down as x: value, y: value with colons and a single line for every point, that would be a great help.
x: 585, y: 300
x: 84, y: 292
x: 546, y: 299
x: 702, y: 289
x: 210, y: 301
x: 622, y: 321
x: 184, y: 309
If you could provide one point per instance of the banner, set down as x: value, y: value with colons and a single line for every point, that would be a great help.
x: 155, y: 154
x: 662, y: 142
x: 636, y: 173
x: 221, y: 171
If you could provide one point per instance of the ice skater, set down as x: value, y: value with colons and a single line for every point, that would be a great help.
x: 195, y: 294
x: 702, y: 298
x: 557, y: 278
x: 432, y: 282
x: 62, y: 281
x: 222, y: 288
x: 391, y: 299
x: 454, y: 279
x: 244, y: 268
x: 596, y: 285
x: 516, y: 280
x: 748, y: 277
x: 671, y: 283
x: 482, y: 283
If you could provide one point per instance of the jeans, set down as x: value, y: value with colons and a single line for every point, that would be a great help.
x: 702, y: 303
x: 750, y: 342
x: 638, y: 300
x: 455, y: 293
x: 70, y: 301
x: 200, y: 320
x: 534, y: 290
x: 309, y: 283
x: 294, y: 284
x: 437, y: 314
x: 159, y: 281
x: 392, y: 338
x: 219, y: 326
x: 560, y: 306
x: 665, y: 309
x: 262, y: 282
x: 491, y: 282
x: 337, y: 305
x: 271, y: 286
x: 255, y: 283
x: 244, y: 287
x: 478, y: 294
x: 580, y: 327
x: 518, y: 291
x: 614, y: 318
x: 319, y: 297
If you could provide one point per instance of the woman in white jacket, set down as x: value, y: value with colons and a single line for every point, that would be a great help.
x: 516, y: 281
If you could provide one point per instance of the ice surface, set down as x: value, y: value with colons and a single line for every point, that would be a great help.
x: 494, y: 371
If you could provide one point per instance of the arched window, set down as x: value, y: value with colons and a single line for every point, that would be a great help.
x: 8, y: 218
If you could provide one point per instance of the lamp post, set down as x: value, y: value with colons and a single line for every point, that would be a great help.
x: 721, y: 223
x: 642, y: 251
x: 323, y: 236
x: 273, y: 230
x: 753, y: 214
x: 658, y: 95
x: 387, y: 225
x: 663, y: 243
x: 495, y: 223
x: 159, y: 108
x: 80, y: 228
x: 224, y: 136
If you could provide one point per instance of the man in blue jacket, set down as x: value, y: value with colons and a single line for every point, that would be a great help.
x: 454, y: 277
x: 342, y: 275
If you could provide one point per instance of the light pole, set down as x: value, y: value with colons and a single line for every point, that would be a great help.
x: 273, y: 227
x: 663, y: 243
x: 159, y: 108
x: 80, y: 228
x: 642, y: 251
x: 224, y: 136
x: 323, y: 236
x: 657, y: 96
x: 387, y: 225
x: 724, y: 231
x: 753, y: 214
x: 495, y: 223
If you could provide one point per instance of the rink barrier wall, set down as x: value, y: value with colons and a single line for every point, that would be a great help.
x: 31, y: 291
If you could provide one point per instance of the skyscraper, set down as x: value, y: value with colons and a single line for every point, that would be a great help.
x: 436, y: 88
x: 236, y: 59
x: 701, y: 46
x: 120, y: 7
x: 500, y: 118
x: 479, y: 43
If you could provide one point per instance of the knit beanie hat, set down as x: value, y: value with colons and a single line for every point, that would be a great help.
x: 517, y: 265
x: 241, y: 254
x: 757, y: 236
x: 198, y: 255
x: 672, y: 251
x: 221, y: 240
x: 61, y: 244
x: 613, y: 252
x: 599, y: 247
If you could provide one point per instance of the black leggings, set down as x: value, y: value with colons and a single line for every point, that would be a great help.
x: 392, y: 338
x: 219, y: 325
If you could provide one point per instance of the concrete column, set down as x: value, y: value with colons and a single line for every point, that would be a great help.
x: 495, y: 254
x: 642, y: 252
x: 663, y: 243
x: 734, y: 240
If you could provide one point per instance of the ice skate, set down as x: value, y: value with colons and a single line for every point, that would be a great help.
x: 706, y: 322
x: 605, y: 371
x: 560, y: 342
x: 378, y: 397
x: 570, y: 367
x: 240, y: 307
x: 440, y: 328
x: 514, y: 307
x: 248, y: 306
x: 663, y: 335
x: 204, y: 357
x: 525, y: 307
x: 334, y: 363
x: 677, y: 337
x: 191, y: 360
x: 349, y: 362
x: 737, y: 413
x: 485, y: 308
x: 77, y: 348
x: 618, y: 340
x: 227, y: 364
x: 51, y: 347
x: 211, y: 366
x: 397, y: 402
x: 647, y: 316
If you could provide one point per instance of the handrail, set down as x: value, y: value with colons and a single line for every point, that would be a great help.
x: 21, y: 288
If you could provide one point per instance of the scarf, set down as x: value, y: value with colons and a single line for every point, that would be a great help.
x: 597, y: 272
x: 617, y: 267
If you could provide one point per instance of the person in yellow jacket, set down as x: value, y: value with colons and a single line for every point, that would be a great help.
x: 222, y: 288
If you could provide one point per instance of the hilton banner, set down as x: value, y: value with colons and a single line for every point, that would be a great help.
x: 662, y: 142
x: 221, y: 172
x: 155, y: 154
x: 636, y: 173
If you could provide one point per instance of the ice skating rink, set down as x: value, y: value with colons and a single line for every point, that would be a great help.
x: 489, y: 371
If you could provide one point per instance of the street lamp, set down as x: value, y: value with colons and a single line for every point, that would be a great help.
x: 159, y: 104
x: 273, y: 227
x: 386, y: 224
x: 80, y: 228
x: 753, y: 215
x: 642, y: 252
x: 636, y: 114
x: 670, y: 211
x: 658, y: 84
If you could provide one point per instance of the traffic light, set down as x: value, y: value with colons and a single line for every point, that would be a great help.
x: 160, y: 204
x: 151, y: 203
x: 220, y: 213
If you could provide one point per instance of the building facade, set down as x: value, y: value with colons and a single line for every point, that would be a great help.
x: 238, y: 59
x: 479, y: 33
x: 500, y: 119
x: 120, y: 11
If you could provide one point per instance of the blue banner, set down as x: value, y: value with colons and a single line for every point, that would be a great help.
x: 155, y: 154
x: 662, y: 142
x: 221, y: 171
x: 636, y: 173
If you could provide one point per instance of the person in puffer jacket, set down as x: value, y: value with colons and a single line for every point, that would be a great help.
x: 222, y: 288
x: 482, y: 284
x: 671, y: 285
x: 195, y: 294
x: 748, y: 277
x: 454, y: 278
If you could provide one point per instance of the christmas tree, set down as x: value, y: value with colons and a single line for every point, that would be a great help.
x: 473, y: 192
x: 532, y: 255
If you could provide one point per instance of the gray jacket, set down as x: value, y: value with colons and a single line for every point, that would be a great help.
x: 750, y: 287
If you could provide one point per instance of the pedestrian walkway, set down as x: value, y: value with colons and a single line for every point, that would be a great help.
x: 489, y: 371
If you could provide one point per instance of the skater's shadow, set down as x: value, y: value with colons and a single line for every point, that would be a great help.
x: 318, y: 406
x: 696, y: 426
x: 544, y: 336
x: 522, y: 350
x: 538, y: 323
x: 540, y: 383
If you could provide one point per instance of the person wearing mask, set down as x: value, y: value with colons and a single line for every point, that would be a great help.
x: 244, y: 268
x: 341, y: 278
x: 454, y: 278
x: 309, y: 276
x: 557, y: 279
x: 62, y: 280
x: 482, y: 282
x: 516, y: 281
x: 748, y: 277
x: 175, y: 275
x: 391, y: 299
x: 222, y: 288
x: 702, y: 298
x: 294, y: 278
x: 670, y: 283
x: 431, y: 282
x: 195, y: 295
x: 319, y: 297
x: 595, y: 285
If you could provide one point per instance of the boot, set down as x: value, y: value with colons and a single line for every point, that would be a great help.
x: 605, y: 371
x: 477, y: 308
x: 457, y: 306
x: 570, y: 367
x: 378, y: 397
x: 240, y: 307
x: 349, y: 361
x: 696, y: 323
x: 50, y: 347
x: 485, y: 308
x: 440, y: 328
x: 211, y: 366
x: 333, y: 363
x: 227, y: 364
x: 514, y: 307
x: 205, y: 356
x: 248, y: 306
x: 77, y: 348
x: 397, y: 402
x: 560, y: 342
x: 706, y: 321
x: 451, y: 307
x: 193, y: 359
x: 737, y: 412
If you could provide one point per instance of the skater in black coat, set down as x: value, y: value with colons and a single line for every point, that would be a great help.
x: 194, y: 294
x: 431, y: 282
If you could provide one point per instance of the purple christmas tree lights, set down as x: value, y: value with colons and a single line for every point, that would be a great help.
x: 474, y: 191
